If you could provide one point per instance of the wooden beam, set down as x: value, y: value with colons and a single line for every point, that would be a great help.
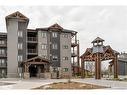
x: 98, y: 66
x: 82, y: 68
x: 115, y: 66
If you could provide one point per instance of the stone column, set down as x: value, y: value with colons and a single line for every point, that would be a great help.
x: 26, y: 73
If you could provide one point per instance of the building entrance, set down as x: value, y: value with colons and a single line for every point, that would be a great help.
x: 33, y: 70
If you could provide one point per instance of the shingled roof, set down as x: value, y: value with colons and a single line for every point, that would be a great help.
x: 16, y: 15
x: 98, y: 39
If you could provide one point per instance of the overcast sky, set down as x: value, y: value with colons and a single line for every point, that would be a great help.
x: 107, y: 22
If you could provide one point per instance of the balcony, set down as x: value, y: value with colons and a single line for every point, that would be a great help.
x: 3, y: 65
x: 32, y: 51
x: 3, y: 55
x: 74, y: 54
x: 74, y: 43
x: 32, y: 39
x: 3, y: 45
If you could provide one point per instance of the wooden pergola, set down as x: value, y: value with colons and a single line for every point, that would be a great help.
x: 36, y: 61
x: 99, y: 53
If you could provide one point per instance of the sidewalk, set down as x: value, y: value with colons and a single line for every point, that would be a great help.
x: 28, y: 84
x: 113, y: 84
x: 33, y: 83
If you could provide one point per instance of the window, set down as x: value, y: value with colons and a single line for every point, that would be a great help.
x: 44, y: 56
x: 20, y: 58
x: 2, y: 62
x: 54, y: 57
x: 44, y: 46
x: 65, y: 58
x: 2, y: 42
x: 65, y: 46
x: 2, y: 51
x: 54, y: 46
x: 65, y: 35
x: 20, y: 34
x: 54, y: 34
x: 43, y: 34
x: 65, y: 69
x: 20, y: 46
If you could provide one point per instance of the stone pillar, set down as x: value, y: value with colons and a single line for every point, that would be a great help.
x: 26, y: 75
x: 98, y: 66
x: 47, y: 75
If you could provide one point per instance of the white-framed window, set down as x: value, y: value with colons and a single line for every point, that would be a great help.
x: 2, y: 42
x: 65, y: 58
x: 55, y: 57
x: 2, y: 62
x: 54, y: 46
x: 20, y: 46
x: 20, y: 33
x: 43, y: 46
x: 54, y: 34
x: 2, y: 51
x: 44, y: 34
x: 20, y: 58
x: 65, y: 69
x: 65, y: 46
x: 65, y: 35
x: 44, y: 56
x: 3, y: 71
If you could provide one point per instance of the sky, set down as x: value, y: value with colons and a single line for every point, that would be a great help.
x: 107, y: 22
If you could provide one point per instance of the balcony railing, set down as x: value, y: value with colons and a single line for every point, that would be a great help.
x: 74, y: 43
x: 73, y: 54
x: 32, y: 39
x: 3, y: 45
x: 3, y: 65
x: 3, y: 55
x: 32, y: 51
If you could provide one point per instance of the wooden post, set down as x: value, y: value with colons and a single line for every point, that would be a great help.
x: 97, y: 66
x: 73, y: 63
x: 82, y: 68
x: 115, y: 66
x: 78, y: 58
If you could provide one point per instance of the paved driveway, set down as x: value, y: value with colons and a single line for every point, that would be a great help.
x: 33, y: 83
x: 103, y: 82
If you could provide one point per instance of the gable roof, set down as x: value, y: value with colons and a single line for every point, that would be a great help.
x: 35, y: 58
x: 16, y: 15
x: 98, y: 39
x: 55, y: 26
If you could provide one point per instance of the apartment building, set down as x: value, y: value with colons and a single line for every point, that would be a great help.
x: 3, y: 54
x: 41, y: 52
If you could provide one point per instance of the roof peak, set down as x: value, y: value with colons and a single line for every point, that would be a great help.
x: 98, y: 39
x: 56, y: 26
x: 16, y: 14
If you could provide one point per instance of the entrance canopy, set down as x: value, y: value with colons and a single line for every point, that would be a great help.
x: 35, y: 61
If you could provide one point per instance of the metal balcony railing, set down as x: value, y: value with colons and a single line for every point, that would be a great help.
x: 32, y: 51
x: 3, y: 45
x: 34, y: 39
x: 3, y: 65
x: 74, y: 53
x: 3, y: 55
x: 74, y: 43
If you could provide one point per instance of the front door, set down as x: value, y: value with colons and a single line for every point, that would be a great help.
x: 33, y: 71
